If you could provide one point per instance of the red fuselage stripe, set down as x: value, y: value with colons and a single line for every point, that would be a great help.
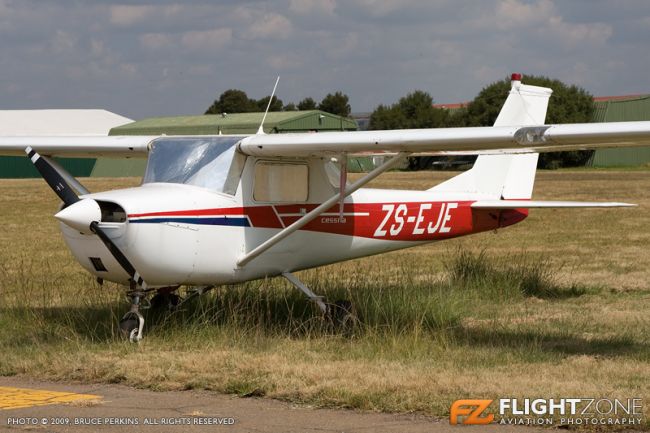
x: 410, y: 221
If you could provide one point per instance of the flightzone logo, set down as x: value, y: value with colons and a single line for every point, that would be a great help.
x: 540, y: 411
x: 472, y: 411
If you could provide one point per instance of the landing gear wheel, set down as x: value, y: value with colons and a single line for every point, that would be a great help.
x: 130, y: 327
x: 132, y: 323
x: 342, y: 316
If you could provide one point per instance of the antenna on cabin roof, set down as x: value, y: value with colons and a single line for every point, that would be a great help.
x: 260, y: 130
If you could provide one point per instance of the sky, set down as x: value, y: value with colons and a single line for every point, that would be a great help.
x: 165, y: 57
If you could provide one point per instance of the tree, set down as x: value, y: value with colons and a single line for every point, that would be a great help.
x: 419, y: 111
x: 276, y: 105
x: 337, y: 103
x: 387, y: 118
x: 307, y: 104
x: 414, y: 110
x: 568, y: 104
x: 232, y: 101
x: 290, y: 107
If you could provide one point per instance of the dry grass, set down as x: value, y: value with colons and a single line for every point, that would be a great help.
x: 594, y: 341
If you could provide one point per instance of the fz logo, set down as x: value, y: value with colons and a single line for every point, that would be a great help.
x: 471, y: 410
x: 417, y: 221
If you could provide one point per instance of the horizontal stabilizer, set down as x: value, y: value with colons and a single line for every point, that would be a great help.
x: 519, y: 204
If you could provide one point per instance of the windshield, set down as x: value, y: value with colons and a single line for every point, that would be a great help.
x: 198, y: 161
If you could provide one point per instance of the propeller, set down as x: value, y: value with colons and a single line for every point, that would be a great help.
x: 53, y: 178
x: 81, y: 214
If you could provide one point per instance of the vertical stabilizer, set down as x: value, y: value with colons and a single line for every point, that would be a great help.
x: 506, y: 176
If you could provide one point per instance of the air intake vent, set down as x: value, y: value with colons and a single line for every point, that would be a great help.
x: 98, y: 264
x: 112, y: 212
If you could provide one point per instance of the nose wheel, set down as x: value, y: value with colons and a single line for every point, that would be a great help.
x: 164, y: 300
x: 132, y: 323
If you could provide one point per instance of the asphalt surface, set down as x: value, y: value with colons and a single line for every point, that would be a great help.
x: 116, y: 408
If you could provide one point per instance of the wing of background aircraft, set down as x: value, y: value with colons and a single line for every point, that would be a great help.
x: 78, y: 146
x: 440, y: 141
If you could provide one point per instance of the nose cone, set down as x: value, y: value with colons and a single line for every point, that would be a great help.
x: 80, y: 214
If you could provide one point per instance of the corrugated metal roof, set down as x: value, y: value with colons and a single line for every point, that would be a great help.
x: 621, y: 110
x: 632, y: 108
x: 237, y: 123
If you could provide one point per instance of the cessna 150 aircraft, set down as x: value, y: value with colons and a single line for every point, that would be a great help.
x: 216, y: 210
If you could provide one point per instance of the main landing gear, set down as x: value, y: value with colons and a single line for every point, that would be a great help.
x: 340, y: 314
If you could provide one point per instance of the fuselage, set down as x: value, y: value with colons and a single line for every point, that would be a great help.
x: 177, y: 234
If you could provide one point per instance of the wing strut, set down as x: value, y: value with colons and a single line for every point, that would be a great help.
x: 310, y: 216
x: 343, y: 180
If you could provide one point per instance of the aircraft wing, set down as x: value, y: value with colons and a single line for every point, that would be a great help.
x: 452, y: 141
x: 78, y: 146
x: 439, y: 141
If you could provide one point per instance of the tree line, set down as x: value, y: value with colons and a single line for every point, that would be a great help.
x: 237, y: 101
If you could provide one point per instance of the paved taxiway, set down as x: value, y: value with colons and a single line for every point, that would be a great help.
x: 27, y: 405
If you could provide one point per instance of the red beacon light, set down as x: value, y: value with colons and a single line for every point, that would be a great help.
x: 515, y: 77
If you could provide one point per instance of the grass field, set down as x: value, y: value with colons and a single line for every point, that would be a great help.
x: 554, y: 307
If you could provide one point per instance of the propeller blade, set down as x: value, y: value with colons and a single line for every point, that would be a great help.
x: 52, y: 177
x: 119, y: 256
x: 69, y: 197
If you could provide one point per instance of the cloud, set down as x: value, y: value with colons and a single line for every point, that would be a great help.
x: 513, y: 14
x: 375, y: 50
x: 128, y: 15
x: 269, y: 26
x: 207, y: 40
x: 97, y: 48
x: 285, y: 61
x: 542, y: 19
x: 155, y: 41
x: 576, y: 35
x: 308, y: 7
x: 63, y: 42
x: 131, y: 15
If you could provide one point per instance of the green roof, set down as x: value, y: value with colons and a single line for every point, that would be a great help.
x: 238, y: 123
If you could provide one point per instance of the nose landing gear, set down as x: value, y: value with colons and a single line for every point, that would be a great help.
x: 163, y: 301
x: 132, y: 323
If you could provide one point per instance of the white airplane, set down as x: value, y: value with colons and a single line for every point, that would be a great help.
x: 216, y: 210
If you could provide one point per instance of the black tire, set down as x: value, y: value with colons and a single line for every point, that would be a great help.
x: 128, y: 325
x: 165, y: 302
x: 343, y: 316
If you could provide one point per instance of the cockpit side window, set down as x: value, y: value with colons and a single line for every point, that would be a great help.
x: 281, y: 182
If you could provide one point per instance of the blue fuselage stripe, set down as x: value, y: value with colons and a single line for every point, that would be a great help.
x: 218, y: 221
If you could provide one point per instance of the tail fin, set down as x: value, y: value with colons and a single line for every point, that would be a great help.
x: 506, y: 176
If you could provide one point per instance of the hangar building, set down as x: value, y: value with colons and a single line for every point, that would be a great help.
x: 54, y: 122
x: 621, y: 109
